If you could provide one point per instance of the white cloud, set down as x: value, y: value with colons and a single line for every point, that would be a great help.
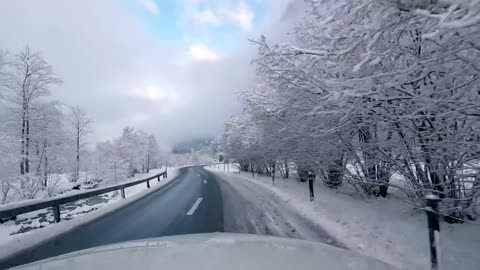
x: 218, y: 12
x: 169, y: 99
x: 150, y: 5
x: 200, y: 52
x: 242, y: 15
x: 207, y: 17
x: 136, y: 118
x: 155, y: 93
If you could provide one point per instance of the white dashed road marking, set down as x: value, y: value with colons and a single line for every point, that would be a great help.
x: 194, y: 207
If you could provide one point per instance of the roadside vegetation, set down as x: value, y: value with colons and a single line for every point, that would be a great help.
x: 371, y: 94
x: 44, y: 143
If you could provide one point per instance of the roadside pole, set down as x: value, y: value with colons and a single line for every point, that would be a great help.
x: 273, y: 174
x: 432, y: 202
x: 311, y: 177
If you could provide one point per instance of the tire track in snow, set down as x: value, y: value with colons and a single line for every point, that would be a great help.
x: 251, y: 209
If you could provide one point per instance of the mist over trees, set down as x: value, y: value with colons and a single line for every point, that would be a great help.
x: 196, y: 151
x: 44, y: 142
x: 374, y: 94
x: 191, y: 145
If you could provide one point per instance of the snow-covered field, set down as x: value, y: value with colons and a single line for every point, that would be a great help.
x: 383, y: 228
x: 32, y: 228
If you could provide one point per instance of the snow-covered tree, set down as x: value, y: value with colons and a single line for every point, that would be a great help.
x: 368, y: 89
x: 152, y: 153
x: 80, y: 127
x: 133, y: 152
x: 48, y: 139
x: 109, y: 165
x: 28, y: 78
x: 130, y: 150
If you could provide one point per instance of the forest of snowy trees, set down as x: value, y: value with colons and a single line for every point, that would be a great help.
x: 373, y: 94
x: 44, y: 141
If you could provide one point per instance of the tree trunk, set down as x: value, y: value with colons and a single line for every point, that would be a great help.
x: 335, y: 174
x: 22, y: 149
x: 45, y: 164
x: 37, y: 148
x: 40, y: 158
x: 282, y: 171
x: 267, y: 171
x: 115, y: 172
x: 77, y: 166
x: 370, y: 168
x: 148, y: 162
x: 384, y: 178
x: 27, y: 146
x: 273, y: 172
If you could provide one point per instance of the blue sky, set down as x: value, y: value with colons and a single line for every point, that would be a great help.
x: 204, y: 27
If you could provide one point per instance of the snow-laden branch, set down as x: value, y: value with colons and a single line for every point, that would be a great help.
x: 382, y: 87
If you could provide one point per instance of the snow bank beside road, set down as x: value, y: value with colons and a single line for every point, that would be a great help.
x: 10, y: 244
x: 382, y: 228
x: 253, y: 210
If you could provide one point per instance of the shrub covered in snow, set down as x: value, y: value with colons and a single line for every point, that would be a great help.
x: 369, y: 90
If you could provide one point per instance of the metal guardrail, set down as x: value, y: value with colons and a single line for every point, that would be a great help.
x: 34, y: 205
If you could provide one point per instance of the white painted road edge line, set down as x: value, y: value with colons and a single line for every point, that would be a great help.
x: 204, y: 181
x: 194, y: 206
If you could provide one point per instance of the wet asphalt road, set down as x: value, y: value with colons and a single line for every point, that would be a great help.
x: 169, y: 211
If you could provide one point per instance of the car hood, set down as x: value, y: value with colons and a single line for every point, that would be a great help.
x: 212, y: 251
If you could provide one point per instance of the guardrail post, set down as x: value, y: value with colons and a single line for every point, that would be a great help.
x: 165, y: 175
x: 433, y: 230
x: 158, y: 178
x: 123, y: 193
x: 56, y: 213
x: 148, y: 184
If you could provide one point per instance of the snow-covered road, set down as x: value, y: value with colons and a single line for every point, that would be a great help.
x: 249, y: 209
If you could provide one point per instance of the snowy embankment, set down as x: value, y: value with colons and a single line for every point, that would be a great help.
x: 32, y: 228
x: 384, y: 228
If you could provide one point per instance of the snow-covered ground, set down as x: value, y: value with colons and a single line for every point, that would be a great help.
x: 61, y: 184
x: 32, y: 228
x: 383, y: 228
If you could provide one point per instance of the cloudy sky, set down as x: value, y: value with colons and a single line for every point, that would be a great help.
x: 170, y: 67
